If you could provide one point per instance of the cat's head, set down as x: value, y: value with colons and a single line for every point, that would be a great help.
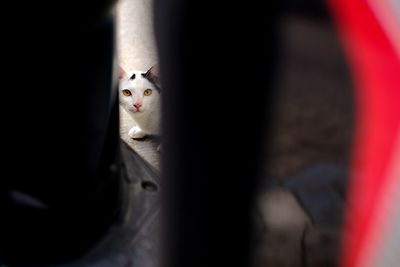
x: 139, y: 90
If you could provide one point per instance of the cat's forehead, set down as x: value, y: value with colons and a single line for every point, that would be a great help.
x: 134, y: 75
x: 136, y: 79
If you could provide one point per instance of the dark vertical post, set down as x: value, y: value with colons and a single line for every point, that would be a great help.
x: 216, y: 64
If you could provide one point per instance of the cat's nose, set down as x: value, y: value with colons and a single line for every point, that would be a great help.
x: 137, y: 105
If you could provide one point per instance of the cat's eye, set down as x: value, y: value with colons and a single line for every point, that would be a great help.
x: 148, y: 92
x: 126, y: 92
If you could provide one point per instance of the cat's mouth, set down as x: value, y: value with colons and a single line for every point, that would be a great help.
x: 135, y: 110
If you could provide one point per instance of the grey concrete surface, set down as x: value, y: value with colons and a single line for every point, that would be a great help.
x: 135, y: 38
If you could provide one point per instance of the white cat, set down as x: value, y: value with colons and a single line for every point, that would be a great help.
x: 139, y: 95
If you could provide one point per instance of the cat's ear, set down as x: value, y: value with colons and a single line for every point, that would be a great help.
x: 121, y: 72
x: 154, y: 71
x: 153, y: 75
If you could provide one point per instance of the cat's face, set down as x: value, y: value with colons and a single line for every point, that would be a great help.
x: 137, y: 93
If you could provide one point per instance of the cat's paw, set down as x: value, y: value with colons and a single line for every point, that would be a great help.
x: 136, y: 133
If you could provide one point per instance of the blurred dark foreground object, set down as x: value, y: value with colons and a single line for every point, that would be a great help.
x: 62, y: 187
x: 221, y: 64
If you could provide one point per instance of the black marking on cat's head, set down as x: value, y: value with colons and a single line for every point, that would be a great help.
x: 132, y: 77
x: 152, y: 76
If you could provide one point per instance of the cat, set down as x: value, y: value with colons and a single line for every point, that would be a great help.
x: 140, y: 96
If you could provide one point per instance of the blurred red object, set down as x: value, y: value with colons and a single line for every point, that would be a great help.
x: 370, y: 31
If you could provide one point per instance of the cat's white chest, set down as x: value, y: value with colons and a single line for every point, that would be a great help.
x: 148, y: 122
